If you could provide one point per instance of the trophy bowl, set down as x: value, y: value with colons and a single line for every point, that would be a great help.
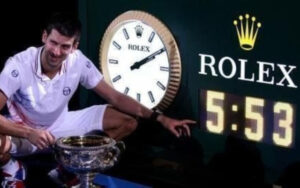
x: 87, y: 155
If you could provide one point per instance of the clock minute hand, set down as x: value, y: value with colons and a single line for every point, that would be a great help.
x: 137, y: 64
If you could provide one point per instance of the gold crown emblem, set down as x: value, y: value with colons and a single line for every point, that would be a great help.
x: 139, y: 30
x: 247, y: 34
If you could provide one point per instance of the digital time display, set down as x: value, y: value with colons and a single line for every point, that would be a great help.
x: 251, y: 118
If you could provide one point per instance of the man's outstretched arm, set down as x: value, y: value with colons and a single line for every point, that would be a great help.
x: 130, y: 106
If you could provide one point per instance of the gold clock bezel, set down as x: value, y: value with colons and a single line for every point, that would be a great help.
x: 167, y: 39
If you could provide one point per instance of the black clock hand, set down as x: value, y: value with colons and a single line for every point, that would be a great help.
x: 137, y: 64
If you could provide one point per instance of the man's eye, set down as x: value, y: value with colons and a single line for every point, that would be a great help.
x: 66, y: 47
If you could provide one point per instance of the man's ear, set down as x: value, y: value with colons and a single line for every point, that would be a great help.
x: 44, y: 36
x: 75, y: 46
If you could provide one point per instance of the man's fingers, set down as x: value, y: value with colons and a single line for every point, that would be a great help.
x: 53, y: 138
x: 188, y: 121
x: 38, y: 146
x: 175, y: 132
x: 50, y: 138
x: 41, y: 145
x: 180, y: 131
x: 184, y: 130
x: 45, y: 140
x: 187, y: 129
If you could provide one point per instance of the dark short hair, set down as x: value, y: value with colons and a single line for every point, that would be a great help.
x: 66, y: 24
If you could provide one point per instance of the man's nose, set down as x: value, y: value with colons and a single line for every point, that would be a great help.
x: 57, y: 51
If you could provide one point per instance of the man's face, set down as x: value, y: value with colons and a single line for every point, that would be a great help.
x: 57, y: 48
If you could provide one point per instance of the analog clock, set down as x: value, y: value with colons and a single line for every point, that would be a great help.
x: 140, y: 58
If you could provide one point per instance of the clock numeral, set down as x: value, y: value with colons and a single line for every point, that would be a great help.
x: 151, y: 36
x: 126, y: 90
x: 160, y: 85
x: 138, y: 97
x: 125, y: 34
x: 151, y: 96
x: 116, y: 45
x: 116, y: 78
x: 113, y: 61
x: 215, y: 111
x: 254, y: 114
x: 283, y: 122
x: 164, y: 69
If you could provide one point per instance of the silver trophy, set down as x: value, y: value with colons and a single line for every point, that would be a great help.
x: 87, y: 155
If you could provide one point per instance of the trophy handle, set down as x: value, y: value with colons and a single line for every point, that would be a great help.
x: 121, y: 146
x: 55, y: 150
x: 116, y: 150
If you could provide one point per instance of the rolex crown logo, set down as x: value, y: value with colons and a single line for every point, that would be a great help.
x: 139, y: 31
x: 247, y: 32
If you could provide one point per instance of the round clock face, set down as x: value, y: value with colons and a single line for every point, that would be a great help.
x: 135, y: 60
x: 138, y: 63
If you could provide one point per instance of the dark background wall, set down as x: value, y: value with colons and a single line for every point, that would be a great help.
x: 22, y: 23
x: 202, y: 26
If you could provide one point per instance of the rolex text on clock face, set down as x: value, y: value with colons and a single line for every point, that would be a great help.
x: 137, y: 63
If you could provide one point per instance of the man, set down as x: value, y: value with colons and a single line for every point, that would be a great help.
x: 37, y: 85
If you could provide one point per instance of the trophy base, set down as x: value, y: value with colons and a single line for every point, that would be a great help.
x: 91, y: 185
x: 86, y: 181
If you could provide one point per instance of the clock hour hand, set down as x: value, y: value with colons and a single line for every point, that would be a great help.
x: 137, y: 64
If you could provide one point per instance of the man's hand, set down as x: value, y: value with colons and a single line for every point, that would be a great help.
x: 177, y: 127
x: 41, y: 138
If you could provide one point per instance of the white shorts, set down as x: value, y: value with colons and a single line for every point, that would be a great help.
x: 79, y: 122
x: 73, y: 123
